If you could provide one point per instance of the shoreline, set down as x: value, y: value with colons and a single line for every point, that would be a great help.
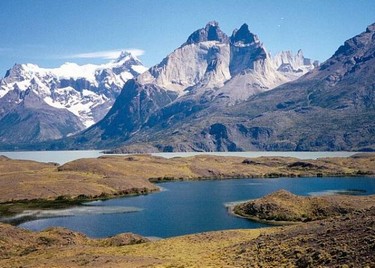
x: 72, y: 155
x: 33, y: 185
x: 62, y: 203
x: 10, y: 210
x: 65, y: 202
x: 321, y: 242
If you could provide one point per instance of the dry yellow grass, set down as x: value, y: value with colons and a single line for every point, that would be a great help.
x: 285, y: 207
x: 63, y: 248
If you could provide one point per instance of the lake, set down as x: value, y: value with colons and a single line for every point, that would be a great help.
x: 188, y: 207
x: 61, y: 157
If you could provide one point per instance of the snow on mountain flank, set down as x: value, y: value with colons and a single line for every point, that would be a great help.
x: 87, y: 91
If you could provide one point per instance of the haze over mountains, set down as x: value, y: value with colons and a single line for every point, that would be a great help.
x: 227, y: 93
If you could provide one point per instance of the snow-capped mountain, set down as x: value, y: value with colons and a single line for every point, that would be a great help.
x: 38, y: 104
x: 87, y: 91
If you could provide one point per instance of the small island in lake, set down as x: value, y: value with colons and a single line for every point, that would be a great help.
x: 283, y: 207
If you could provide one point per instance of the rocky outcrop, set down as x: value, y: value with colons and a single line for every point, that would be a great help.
x: 340, y: 241
x: 124, y: 239
x: 211, y: 32
x: 283, y: 206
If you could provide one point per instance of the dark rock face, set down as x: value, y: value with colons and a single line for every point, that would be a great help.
x: 211, y: 32
x: 37, y: 120
x: 256, y: 133
x: 221, y: 139
x: 243, y: 35
x: 132, y: 110
x: 246, y: 49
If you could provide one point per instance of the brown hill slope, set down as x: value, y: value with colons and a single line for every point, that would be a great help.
x: 287, y: 207
x: 346, y: 241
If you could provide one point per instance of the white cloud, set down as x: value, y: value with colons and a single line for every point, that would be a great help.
x: 107, y: 55
x: 135, y: 51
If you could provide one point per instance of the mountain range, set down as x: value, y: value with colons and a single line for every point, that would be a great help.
x: 38, y: 104
x: 227, y: 93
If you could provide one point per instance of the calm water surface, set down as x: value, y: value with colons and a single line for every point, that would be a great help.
x: 190, y: 207
x: 62, y: 157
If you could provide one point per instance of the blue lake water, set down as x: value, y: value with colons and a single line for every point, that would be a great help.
x: 189, y: 207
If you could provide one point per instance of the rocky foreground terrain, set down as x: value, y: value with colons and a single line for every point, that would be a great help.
x: 342, y: 241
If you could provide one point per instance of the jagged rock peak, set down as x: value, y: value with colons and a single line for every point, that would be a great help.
x: 243, y: 36
x: 370, y: 28
x: 357, y: 47
x: 124, y: 56
x: 211, y: 32
x: 15, y: 69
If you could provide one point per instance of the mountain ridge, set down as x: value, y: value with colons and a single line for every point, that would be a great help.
x: 79, y: 95
x: 213, y: 107
x: 195, y: 76
x: 329, y: 108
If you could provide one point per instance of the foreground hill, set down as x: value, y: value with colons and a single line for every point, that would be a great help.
x: 334, y: 242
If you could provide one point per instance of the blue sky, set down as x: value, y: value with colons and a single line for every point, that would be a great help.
x: 51, y: 32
